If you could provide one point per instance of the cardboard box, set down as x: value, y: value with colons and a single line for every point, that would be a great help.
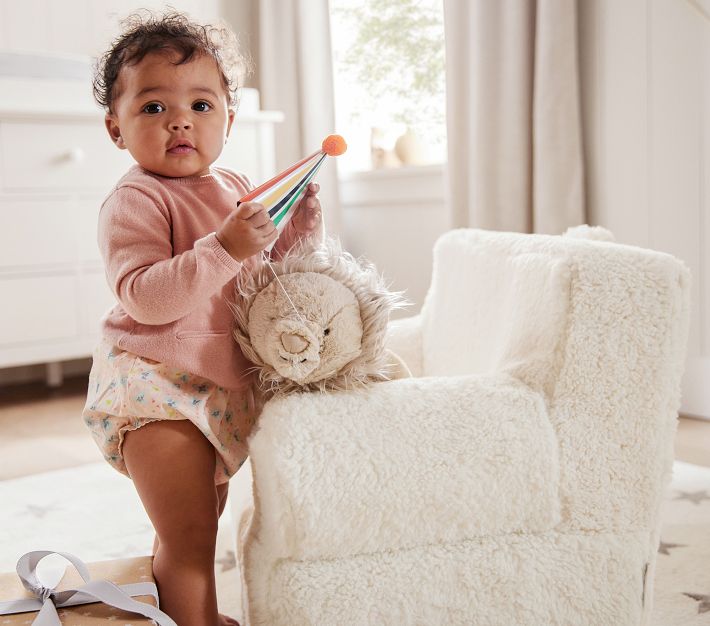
x: 120, y: 571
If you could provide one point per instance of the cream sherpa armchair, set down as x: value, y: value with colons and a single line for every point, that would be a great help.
x: 516, y: 479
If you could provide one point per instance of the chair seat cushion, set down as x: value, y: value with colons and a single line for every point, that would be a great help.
x: 532, y: 580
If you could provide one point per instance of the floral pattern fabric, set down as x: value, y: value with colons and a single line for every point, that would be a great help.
x: 127, y: 391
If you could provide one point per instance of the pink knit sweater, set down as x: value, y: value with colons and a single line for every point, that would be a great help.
x: 171, y: 276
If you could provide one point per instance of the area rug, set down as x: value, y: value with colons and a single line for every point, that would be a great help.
x: 682, y: 582
x: 94, y: 512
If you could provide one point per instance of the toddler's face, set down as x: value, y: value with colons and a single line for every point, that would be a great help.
x: 173, y: 119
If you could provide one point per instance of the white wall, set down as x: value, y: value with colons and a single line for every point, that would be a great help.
x: 243, y: 17
x: 393, y: 217
x: 646, y: 96
x: 82, y: 27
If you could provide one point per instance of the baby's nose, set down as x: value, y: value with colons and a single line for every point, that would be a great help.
x: 183, y: 125
x: 295, y: 344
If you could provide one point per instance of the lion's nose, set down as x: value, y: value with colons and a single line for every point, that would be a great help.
x: 295, y: 344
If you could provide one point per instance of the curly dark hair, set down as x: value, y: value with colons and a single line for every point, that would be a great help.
x: 144, y: 32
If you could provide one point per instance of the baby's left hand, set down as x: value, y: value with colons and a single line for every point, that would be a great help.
x: 307, y: 218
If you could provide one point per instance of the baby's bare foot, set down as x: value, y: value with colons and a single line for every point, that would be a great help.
x: 225, y: 620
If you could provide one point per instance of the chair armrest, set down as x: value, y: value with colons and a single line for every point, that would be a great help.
x: 404, y: 338
x: 348, y: 473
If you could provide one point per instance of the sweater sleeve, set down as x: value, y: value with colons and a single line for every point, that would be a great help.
x: 152, y: 285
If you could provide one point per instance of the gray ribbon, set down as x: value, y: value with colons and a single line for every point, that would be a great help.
x: 47, y: 600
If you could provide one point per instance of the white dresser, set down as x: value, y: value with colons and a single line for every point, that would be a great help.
x: 56, y: 166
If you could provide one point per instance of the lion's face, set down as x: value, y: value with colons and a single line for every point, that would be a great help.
x: 335, y: 337
x: 314, y: 341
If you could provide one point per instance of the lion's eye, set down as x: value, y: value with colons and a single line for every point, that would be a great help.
x: 326, y: 332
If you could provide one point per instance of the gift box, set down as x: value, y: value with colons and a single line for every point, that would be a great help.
x: 121, y: 591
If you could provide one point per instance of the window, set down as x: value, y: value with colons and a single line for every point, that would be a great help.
x: 388, y: 59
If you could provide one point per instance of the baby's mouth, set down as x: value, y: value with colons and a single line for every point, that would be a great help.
x: 181, y: 146
x: 181, y: 149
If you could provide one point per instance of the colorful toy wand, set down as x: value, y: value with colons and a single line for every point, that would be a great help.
x: 281, y: 194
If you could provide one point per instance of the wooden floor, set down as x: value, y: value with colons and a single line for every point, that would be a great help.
x: 692, y: 441
x: 41, y: 430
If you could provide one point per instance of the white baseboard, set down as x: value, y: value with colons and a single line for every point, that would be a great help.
x: 38, y: 373
x: 696, y: 392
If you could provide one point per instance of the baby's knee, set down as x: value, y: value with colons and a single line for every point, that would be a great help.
x: 191, y: 535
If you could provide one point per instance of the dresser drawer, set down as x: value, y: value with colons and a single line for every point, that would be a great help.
x: 45, y: 231
x: 37, y: 309
x: 36, y: 232
x: 86, y: 218
x: 96, y: 300
x: 67, y: 155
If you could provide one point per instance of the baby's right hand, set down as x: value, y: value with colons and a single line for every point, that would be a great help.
x: 247, y: 230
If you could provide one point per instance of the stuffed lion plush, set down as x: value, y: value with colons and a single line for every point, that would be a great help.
x: 316, y: 320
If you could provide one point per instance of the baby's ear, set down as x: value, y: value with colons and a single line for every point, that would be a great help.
x: 114, y: 131
x: 230, y: 120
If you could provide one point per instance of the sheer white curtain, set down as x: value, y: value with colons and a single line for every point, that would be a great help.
x: 513, y: 115
x: 296, y: 77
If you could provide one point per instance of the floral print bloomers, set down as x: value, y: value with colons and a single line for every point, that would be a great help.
x: 127, y: 391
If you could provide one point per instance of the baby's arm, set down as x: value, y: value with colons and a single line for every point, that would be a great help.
x: 152, y: 285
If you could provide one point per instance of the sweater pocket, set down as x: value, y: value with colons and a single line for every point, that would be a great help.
x: 200, y: 334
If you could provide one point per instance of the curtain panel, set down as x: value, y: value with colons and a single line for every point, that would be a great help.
x: 513, y: 115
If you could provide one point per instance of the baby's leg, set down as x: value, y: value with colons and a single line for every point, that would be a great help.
x: 172, y: 466
x: 222, y: 491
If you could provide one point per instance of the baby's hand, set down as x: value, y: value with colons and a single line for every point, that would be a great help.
x: 247, y: 230
x: 307, y: 218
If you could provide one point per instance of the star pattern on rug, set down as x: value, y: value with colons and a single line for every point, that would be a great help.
x: 704, y: 600
x: 39, y: 511
x: 664, y: 547
x: 696, y: 497
x: 229, y: 561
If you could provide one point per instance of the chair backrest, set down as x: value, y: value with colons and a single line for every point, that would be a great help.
x: 495, y: 303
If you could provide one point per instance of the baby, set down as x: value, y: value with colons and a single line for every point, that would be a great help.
x: 168, y: 401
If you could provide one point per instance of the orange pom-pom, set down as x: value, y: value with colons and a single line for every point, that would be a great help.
x: 334, y: 145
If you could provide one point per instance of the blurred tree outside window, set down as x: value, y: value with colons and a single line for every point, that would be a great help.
x: 388, y: 63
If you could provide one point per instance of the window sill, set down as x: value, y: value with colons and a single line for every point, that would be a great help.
x: 405, y: 171
x: 393, y: 186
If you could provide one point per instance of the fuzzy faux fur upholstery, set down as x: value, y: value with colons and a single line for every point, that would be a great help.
x: 449, y: 481
x: 516, y: 479
x: 519, y: 579
x: 406, y: 334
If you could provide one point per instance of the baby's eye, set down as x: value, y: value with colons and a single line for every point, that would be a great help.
x: 153, y: 108
x: 201, y: 106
